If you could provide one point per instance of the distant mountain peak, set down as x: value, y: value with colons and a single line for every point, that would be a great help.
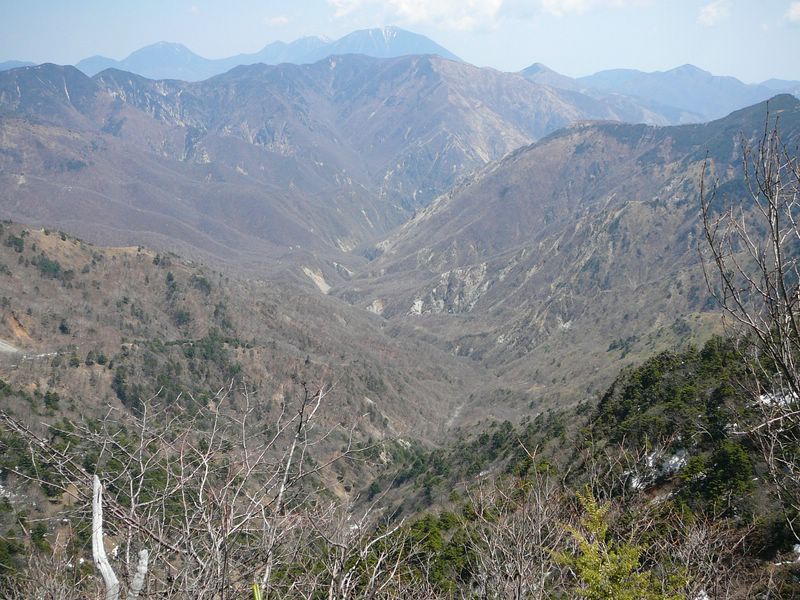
x: 538, y: 67
x: 172, y: 60
x: 14, y: 64
x: 382, y: 42
x: 544, y: 75
x: 161, y: 47
x: 686, y: 87
x: 690, y: 71
x: 689, y: 68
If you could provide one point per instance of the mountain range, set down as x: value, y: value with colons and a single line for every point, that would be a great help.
x: 681, y: 95
x: 506, y: 222
x: 313, y: 160
x: 380, y: 321
x: 685, y: 88
x: 166, y: 60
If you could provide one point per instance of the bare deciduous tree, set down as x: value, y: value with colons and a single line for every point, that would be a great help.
x: 220, y: 499
x: 752, y: 266
x: 518, y: 526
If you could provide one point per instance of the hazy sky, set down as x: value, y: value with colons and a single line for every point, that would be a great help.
x: 750, y: 39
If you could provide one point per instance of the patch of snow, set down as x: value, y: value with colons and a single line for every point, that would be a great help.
x: 656, y: 466
x: 4, y: 493
x: 37, y: 356
x: 389, y: 33
x: 779, y: 399
x: 637, y: 483
x: 363, y: 212
x: 673, y: 464
x: 416, y: 308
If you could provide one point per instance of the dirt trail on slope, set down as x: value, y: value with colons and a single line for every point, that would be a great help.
x: 8, y: 348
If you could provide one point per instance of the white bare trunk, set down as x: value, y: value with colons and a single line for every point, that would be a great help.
x: 138, y: 579
x: 98, y: 549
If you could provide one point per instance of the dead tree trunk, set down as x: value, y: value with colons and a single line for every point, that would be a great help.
x: 99, y: 552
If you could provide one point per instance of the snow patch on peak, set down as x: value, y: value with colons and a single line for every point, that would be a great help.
x: 389, y: 33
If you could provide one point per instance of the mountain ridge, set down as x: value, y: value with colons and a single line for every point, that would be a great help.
x: 588, y: 233
x: 169, y: 60
x: 683, y: 88
x: 360, y: 143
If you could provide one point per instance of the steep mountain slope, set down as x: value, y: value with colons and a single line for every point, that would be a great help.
x: 120, y: 325
x: 568, y: 256
x: 166, y: 60
x: 311, y: 160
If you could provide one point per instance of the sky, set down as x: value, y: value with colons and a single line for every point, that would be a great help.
x: 753, y: 40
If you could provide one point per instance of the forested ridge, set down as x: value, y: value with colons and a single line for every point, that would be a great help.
x: 651, y: 491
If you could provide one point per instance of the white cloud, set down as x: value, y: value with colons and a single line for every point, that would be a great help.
x: 713, y: 12
x: 474, y: 14
x: 561, y: 8
x: 793, y: 14
x: 456, y: 14
x: 277, y: 21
